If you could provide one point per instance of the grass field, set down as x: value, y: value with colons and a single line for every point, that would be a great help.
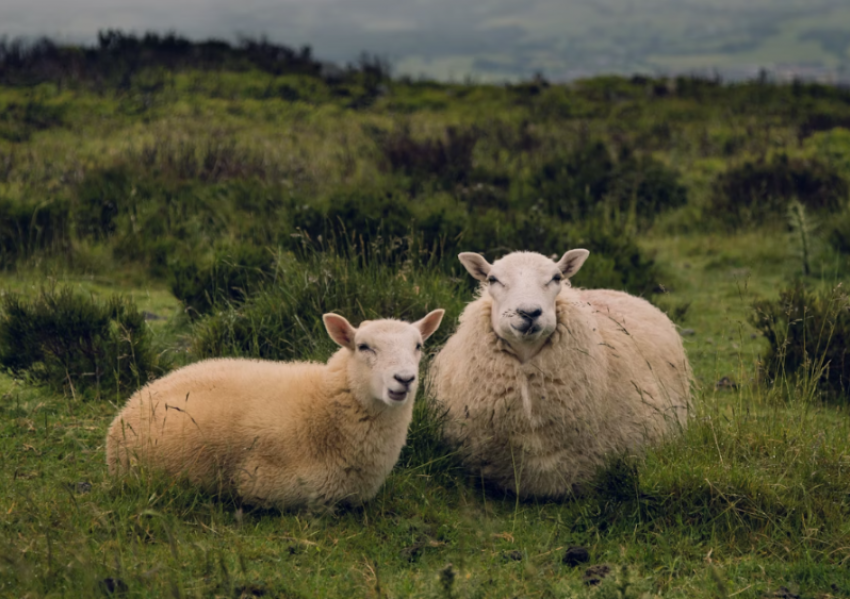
x: 235, y: 195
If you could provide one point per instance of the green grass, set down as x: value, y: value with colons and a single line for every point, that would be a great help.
x: 753, y: 496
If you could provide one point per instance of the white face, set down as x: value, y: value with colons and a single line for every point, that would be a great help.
x: 523, y: 287
x: 386, y: 354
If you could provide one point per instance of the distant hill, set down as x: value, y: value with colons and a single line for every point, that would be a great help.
x: 498, y: 39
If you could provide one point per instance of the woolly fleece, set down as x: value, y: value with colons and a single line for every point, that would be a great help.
x: 610, y: 379
x: 283, y: 435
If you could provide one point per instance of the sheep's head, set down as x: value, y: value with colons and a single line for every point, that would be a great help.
x: 523, y: 287
x: 385, y: 355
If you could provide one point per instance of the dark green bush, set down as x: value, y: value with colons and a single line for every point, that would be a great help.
x: 158, y: 219
x: 808, y: 334
x: 588, y: 179
x: 755, y: 192
x: 447, y: 160
x: 75, y: 343
x: 19, y: 121
x: 823, y: 121
x: 26, y: 227
x: 99, y: 199
x: 364, y: 214
x: 839, y: 232
x: 616, y: 261
x: 284, y: 320
x: 231, y: 276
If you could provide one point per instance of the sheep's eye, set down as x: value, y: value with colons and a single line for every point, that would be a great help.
x: 364, y: 347
x: 557, y: 279
x: 493, y: 280
x: 418, y: 346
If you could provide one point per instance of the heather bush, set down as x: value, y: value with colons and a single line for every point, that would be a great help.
x: 758, y: 191
x: 18, y: 121
x: 839, y: 232
x: 589, y: 179
x: 77, y: 344
x: 232, y: 275
x: 284, y: 320
x: 808, y: 333
x: 154, y: 220
x: 446, y: 160
x: 27, y: 226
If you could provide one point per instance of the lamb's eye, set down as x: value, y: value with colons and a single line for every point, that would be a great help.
x: 557, y: 279
x: 364, y: 347
x: 493, y: 280
x: 418, y: 346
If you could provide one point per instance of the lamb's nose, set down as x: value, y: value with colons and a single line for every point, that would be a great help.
x: 405, y: 378
x: 530, y: 312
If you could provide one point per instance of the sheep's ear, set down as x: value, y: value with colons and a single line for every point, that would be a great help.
x: 430, y: 323
x: 340, y: 330
x: 571, y: 262
x: 476, y: 264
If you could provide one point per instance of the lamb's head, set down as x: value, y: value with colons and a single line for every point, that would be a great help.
x: 523, y: 287
x: 385, y: 354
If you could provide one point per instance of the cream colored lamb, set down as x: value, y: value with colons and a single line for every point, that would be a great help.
x: 542, y: 382
x: 283, y: 435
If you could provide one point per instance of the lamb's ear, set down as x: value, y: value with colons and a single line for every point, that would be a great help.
x: 340, y: 330
x: 476, y: 264
x: 571, y: 262
x: 430, y: 323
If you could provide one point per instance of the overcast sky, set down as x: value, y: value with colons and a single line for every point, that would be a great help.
x: 454, y: 37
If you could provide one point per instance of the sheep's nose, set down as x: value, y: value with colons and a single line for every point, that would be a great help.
x: 530, y: 312
x: 405, y: 378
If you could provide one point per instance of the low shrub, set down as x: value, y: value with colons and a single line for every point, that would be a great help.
x: 839, y: 232
x: 808, y: 333
x: 616, y: 261
x: 757, y: 191
x: 19, y: 121
x: 72, y: 342
x: 157, y: 220
x: 823, y: 121
x: 99, y: 198
x: 364, y: 214
x: 588, y: 179
x: 448, y: 160
x: 230, y: 277
x: 284, y: 321
x: 26, y: 227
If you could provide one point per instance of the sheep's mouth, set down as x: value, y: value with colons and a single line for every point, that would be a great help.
x: 397, y: 395
x: 527, y: 329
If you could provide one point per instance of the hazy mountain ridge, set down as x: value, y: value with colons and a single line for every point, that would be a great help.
x: 497, y: 38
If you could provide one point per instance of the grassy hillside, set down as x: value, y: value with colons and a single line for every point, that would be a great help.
x: 234, y: 195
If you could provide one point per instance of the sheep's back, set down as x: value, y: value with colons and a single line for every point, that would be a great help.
x: 648, y: 367
x: 199, y: 420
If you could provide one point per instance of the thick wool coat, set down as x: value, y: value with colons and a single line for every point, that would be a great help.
x: 282, y: 435
x: 611, y: 378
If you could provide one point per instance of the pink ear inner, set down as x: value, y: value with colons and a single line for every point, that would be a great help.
x: 430, y: 323
x: 340, y: 330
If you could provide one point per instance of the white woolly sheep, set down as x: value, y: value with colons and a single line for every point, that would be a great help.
x: 543, y: 383
x: 282, y: 435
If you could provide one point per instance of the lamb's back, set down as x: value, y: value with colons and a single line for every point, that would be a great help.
x: 199, y: 418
